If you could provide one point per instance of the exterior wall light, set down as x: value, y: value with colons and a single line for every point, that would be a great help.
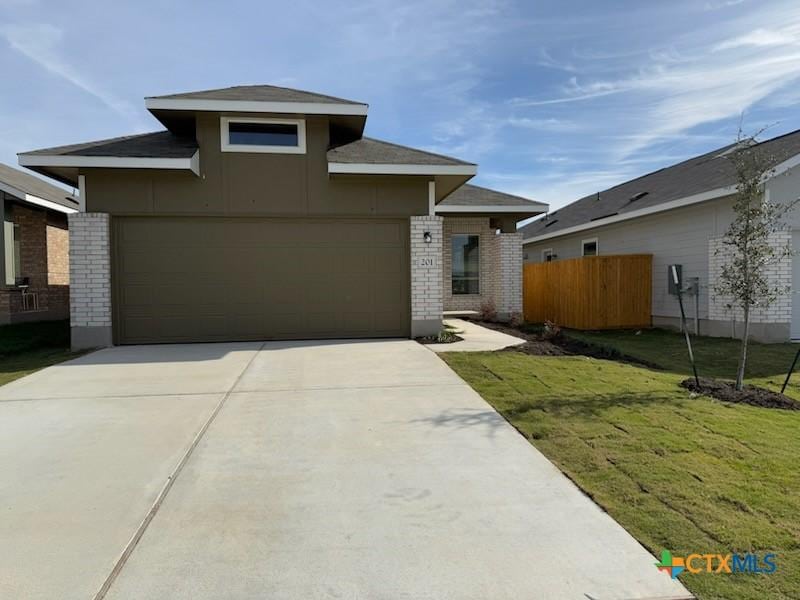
x: 427, y: 237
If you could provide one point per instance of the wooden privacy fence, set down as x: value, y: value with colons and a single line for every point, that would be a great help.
x: 593, y: 292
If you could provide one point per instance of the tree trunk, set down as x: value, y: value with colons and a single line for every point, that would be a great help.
x: 743, y: 352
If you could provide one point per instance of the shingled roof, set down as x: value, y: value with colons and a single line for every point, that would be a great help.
x: 257, y: 93
x: 18, y: 184
x: 474, y: 195
x: 697, y: 175
x: 158, y: 144
x: 371, y: 151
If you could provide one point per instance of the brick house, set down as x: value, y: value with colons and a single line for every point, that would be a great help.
x: 35, y: 242
x: 262, y: 212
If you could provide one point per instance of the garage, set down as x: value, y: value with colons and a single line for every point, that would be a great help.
x: 197, y: 279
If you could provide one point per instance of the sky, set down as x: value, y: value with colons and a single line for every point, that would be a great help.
x: 553, y: 99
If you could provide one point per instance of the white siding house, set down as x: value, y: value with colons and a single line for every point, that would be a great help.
x: 684, y: 231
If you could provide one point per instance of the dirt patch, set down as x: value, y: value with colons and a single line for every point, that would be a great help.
x: 562, y: 344
x: 751, y: 394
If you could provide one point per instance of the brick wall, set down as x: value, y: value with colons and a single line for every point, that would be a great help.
x: 488, y: 259
x: 90, y: 270
x: 779, y: 273
x: 44, y: 246
x: 509, y: 271
x: 500, y: 267
x: 426, y: 270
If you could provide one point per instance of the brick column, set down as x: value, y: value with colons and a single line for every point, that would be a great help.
x: 426, y: 276
x: 90, y: 279
x: 509, y: 275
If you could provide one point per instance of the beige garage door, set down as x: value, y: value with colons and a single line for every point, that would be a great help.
x: 216, y: 279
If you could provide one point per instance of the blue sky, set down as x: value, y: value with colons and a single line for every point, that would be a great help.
x: 553, y: 100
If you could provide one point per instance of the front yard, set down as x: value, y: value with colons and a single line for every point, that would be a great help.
x: 28, y: 347
x: 689, y: 475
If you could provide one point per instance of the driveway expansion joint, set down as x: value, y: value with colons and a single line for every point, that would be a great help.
x: 137, y: 536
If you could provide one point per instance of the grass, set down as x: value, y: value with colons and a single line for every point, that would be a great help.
x: 767, y: 364
x: 28, y: 347
x: 679, y: 473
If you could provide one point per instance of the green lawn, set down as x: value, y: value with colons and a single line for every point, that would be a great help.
x: 680, y: 473
x: 767, y: 364
x: 28, y: 347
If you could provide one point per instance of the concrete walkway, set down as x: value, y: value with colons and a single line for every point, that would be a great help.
x: 475, y: 338
x: 331, y: 470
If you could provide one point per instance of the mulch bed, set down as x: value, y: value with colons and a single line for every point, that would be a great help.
x: 751, y: 394
x: 562, y: 345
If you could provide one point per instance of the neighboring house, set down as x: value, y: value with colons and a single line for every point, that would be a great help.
x: 264, y: 213
x: 679, y: 215
x: 35, y: 266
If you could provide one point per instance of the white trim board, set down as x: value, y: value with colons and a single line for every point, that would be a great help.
x: 110, y: 162
x: 226, y: 146
x: 521, y: 210
x: 294, y: 108
x: 634, y: 214
x: 398, y: 169
x: 31, y: 199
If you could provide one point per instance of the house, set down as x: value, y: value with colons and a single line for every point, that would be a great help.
x: 679, y: 215
x: 263, y: 212
x: 35, y: 244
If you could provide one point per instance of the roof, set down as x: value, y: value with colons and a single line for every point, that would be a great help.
x: 697, y: 175
x: 158, y: 144
x: 473, y: 195
x: 19, y: 184
x: 371, y: 151
x: 257, y: 93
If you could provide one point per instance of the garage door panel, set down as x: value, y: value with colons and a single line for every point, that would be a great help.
x: 214, y: 279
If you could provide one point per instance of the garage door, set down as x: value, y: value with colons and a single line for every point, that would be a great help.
x: 218, y: 279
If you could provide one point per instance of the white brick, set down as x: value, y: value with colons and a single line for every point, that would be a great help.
x: 90, y: 269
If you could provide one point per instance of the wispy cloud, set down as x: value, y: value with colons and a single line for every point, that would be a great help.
x: 699, y: 81
x: 41, y: 44
x: 760, y: 38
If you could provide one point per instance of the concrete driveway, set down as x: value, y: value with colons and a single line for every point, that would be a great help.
x: 289, y: 470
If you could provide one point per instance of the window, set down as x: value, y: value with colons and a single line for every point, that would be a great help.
x: 263, y: 135
x: 590, y: 247
x: 547, y: 255
x: 11, y: 252
x: 466, y: 264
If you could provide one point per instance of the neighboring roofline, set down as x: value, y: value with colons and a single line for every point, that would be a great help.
x: 302, y: 108
x: 789, y: 163
x: 111, y: 162
x: 50, y: 205
x: 779, y: 169
x: 400, y: 169
x: 537, y: 207
x: 32, y: 199
x: 634, y: 214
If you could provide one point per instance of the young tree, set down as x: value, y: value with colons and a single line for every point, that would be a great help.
x: 748, y: 244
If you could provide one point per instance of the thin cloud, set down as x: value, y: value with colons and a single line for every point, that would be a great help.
x: 758, y: 38
x: 39, y: 43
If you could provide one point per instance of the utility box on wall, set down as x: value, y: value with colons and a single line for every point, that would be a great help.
x: 672, y: 288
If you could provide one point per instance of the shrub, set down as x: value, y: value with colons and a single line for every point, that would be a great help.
x: 551, y: 330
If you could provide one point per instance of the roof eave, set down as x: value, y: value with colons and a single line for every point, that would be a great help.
x: 523, y: 212
x: 466, y: 170
x: 111, y: 162
x: 302, y: 108
x: 37, y: 200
